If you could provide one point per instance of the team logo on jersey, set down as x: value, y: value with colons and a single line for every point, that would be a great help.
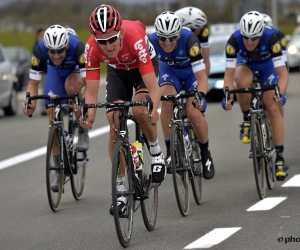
x: 34, y: 61
x: 205, y: 32
x: 195, y: 50
x: 276, y: 48
x: 81, y: 59
x: 142, y: 52
x: 283, y: 42
x: 230, y: 50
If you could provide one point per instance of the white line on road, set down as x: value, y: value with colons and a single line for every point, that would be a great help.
x: 212, y: 238
x: 41, y: 151
x: 293, y: 182
x: 266, y: 204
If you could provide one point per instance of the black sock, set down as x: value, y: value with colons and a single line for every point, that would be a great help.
x: 203, y: 146
x: 167, y: 142
x: 246, y: 115
x: 279, y: 152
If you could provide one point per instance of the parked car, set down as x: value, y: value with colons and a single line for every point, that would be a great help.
x: 217, y: 44
x: 21, y: 58
x: 8, y: 85
x: 293, y: 51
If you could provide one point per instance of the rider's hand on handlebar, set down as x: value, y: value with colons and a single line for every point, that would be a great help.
x: 202, y: 106
x: 281, y: 101
x: 88, y: 123
x: 30, y: 108
x: 227, y: 106
x: 154, y: 116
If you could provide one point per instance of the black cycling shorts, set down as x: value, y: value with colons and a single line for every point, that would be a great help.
x: 120, y: 83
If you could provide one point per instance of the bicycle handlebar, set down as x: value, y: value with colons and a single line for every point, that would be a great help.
x: 172, y: 98
x: 116, y: 104
x: 51, y: 98
x: 252, y: 90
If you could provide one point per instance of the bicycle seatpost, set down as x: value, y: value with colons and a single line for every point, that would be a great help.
x: 28, y: 101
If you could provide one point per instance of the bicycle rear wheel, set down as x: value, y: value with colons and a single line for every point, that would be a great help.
x: 149, y: 205
x: 257, y: 149
x: 270, y: 162
x: 54, y: 169
x: 196, y: 167
x: 123, y: 222
x: 79, y: 161
x: 180, y: 174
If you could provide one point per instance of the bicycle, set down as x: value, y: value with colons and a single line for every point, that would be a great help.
x: 63, y: 161
x: 185, y: 154
x: 137, y: 178
x: 262, y: 149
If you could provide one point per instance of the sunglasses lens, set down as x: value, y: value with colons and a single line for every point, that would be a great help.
x: 109, y: 40
x: 251, y: 38
x: 59, y: 51
x: 164, y: 39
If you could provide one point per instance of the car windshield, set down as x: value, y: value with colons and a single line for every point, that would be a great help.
x: 12, y: 54
x: 217, y: 47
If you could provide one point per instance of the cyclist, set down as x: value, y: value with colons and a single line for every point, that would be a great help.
x: 255, y: 48
x: 181, y: 61
x: 132, y: 64
x: 63, y: 54
x: 195, y: 19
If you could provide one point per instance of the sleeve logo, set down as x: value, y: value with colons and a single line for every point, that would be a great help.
x: 276, y: 48
x: 34, y: 61
x: 81, y: 59
x: 195, y: 50
x: 283, y: 42
x: 205, y: 32
x: 230, y: 50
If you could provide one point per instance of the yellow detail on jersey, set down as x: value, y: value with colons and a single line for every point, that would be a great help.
x: 276, y: 48
x: 230, y: 50
x: 283, y: 42
x: 34, y: 61
x: 195, y: 50
x: 205, y: 32
x: 81, y: 59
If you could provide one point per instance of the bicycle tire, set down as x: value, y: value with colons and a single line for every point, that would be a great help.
x: 53, y: 158
x: 270, y: 162
x: 149, y: 206
x: 123, y: 223
x: 79, y: 161
x: 257, y: 150
x: 180, y: 174
x: 196, y: 181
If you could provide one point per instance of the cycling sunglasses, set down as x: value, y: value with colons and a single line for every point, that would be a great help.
x: 251, y: 38
x: 58, y: 51
x: 169, y: 38
x: 110, y: 40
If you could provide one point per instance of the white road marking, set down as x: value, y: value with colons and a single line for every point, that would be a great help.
x: 266, y: 204
x: 212, y: 238
x: 41, y: 151
x: 293, y: 182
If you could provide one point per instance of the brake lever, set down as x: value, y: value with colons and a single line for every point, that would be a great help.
x: 226, y: 95
x: 150, y: 108
x: 277, y: 91
x: 198, y: 98
x: 84, y: 109
x: 27, y: 101
x: 76, y: 101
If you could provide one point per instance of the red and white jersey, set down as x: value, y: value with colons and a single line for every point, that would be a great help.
x: 136, y: 52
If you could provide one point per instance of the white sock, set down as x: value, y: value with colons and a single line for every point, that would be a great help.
x: 154, y: 147
x: 121, y: 184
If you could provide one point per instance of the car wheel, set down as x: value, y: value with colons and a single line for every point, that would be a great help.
x: 12, y: 108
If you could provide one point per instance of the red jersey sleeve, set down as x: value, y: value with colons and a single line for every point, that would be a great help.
x: 92, y: 57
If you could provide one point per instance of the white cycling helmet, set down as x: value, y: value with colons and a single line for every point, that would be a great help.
x: 167, y: 23
x: 268, y: 20
x: 191, y: 17
x: 252, y: 24
x: 56, y: 37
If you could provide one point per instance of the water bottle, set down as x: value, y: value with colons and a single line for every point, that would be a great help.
x: 68, y: 143
x: 187, y: 143
x: 135, y: 157
x: 139, y: 149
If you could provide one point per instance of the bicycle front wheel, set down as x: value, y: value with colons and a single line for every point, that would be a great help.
x: 54, y: 168
x: 79, y: 162
x: 257, y: 150
x: 149, y: 203
x: 270, y: 162
x: 122, y: 164
x: 196, y: 167
x: 180, y: 174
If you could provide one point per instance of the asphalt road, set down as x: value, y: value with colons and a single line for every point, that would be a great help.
x: 227, y: 218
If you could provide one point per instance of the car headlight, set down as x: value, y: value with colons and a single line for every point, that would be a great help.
x: 292, y: 50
